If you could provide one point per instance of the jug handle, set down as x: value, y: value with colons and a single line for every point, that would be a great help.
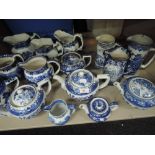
x: 10, y: 80
x: 143, y: 66
x: 57, y: 64
x: 101, y: 77
x: 19, y: 56
x: 41, y: 83
x: 80, y: 40
x: 60, y: 51
x: 34, y: 35
x: 89, y: 58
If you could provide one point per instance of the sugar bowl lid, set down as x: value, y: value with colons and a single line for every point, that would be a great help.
x: 81, y: 78
x: 99, y: 106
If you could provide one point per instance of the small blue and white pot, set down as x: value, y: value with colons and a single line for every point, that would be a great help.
x: 116, y: 62
x: 81, y: 84
x: 37, y: 69
x: 5, y: 92
x: 61, y: 112
x: 21, y: 44
x: 27, y: 100
x: 99, y: 109
x: 71, y: 43
x: 137, y: 92
x: 139, y: 46
x: 8, y: 65
x: 72, y: 61
x: 105, y: 42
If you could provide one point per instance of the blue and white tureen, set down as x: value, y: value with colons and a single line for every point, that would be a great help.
x: 81, y: 84
x: 72, y: 61
x: 27, y: 101
x: 99, y: 109
x: 138, y: 92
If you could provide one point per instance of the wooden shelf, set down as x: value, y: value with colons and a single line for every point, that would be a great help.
x: 111, y: 93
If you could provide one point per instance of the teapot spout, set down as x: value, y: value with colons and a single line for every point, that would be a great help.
x: 84, y: 107
x: 117, y: 84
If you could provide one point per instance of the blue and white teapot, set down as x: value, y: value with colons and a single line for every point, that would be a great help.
x: 81, y: 84
x: 72, y: 61
x: 99, y: 109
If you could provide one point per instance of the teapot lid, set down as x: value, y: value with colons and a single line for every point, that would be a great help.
x: 70, y: 58
x: 99, y: 106
x: 81, y: 78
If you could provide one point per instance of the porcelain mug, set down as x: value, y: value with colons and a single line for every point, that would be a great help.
x: 61, y: 112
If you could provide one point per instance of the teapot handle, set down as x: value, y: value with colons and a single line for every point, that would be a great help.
x: 143, y: 66
x: 79, y: 38
x: 101, y: 77
x: 10, y: 80
x: 89, y: 60
x: 41, y: 83
x: 57, y: 64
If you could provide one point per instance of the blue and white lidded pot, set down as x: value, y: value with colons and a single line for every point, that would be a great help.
x: 137, y: 92
x: 98, y: 109
x: 81, y: 84
x: 28, y: 100
x: 72, y: 61
x: 37, y: 69
x: 71, y: 43
x: 9, y: 65
x: 61, y: 112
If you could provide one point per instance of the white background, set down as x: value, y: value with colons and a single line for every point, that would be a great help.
x: 77, y: 145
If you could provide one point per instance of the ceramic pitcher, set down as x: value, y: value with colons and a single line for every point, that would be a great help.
x: 104, y: 42
x: 139, y: 46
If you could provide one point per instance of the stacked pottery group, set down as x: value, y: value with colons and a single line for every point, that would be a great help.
x: 28, y: 73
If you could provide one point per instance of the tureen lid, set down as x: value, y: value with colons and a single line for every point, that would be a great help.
x: 99, y: 106
x: 23, y: 95
x: 141, y: 88
x: 70, y: 58
x: 81, y: 78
